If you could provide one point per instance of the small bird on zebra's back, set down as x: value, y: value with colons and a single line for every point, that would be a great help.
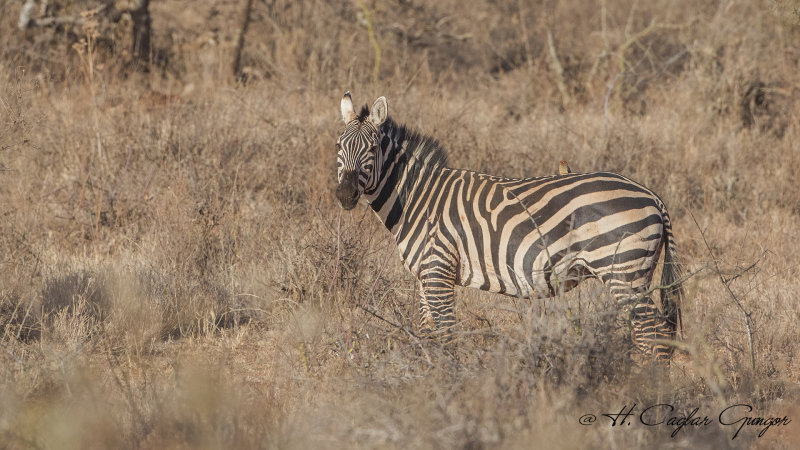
x: 563, y: 168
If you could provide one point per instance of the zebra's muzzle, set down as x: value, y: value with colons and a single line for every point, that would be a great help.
x: 347, y: 192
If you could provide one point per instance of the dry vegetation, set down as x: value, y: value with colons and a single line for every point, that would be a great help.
x: 175, y: 272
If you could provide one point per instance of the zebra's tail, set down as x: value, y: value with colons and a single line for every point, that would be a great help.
x: 671, y: 275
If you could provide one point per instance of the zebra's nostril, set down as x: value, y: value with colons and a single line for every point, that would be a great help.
x: 347, y: 194
x: 347, y: 191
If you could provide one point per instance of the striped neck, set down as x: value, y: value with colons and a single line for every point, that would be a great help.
x: 406, y: 158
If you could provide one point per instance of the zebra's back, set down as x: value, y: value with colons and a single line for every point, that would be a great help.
x: 538, y: 235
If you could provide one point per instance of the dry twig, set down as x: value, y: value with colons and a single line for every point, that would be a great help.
x: 566, y: 98
x: 748, y: 322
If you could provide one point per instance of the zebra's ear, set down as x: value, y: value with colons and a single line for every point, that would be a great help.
x: 348, y: 113
x: 379, y: 111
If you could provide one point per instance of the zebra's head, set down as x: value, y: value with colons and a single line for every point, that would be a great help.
x: 357, y: 149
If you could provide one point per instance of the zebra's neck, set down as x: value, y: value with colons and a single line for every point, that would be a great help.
x: 405, y: 158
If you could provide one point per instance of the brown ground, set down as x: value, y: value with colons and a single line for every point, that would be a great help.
x: 175, y: 272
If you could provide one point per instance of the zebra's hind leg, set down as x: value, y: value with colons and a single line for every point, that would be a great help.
x: 650, y: 324
x: 650, y: 327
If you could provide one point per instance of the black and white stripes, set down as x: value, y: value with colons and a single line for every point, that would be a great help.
x: 531, y: 237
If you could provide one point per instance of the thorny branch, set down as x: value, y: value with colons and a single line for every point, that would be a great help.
x: 541, y: 236
x: 671, y: 285
x: 387, y: 321
x: 748, y: 322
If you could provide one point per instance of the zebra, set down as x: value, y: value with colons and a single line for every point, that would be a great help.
x: 524, y: 237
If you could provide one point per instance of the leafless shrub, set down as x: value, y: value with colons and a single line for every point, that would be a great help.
x: 74, y: 294
x: 19, y: 319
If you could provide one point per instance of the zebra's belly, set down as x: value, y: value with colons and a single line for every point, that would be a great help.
x: 537, y: 281
x: 485, y: 276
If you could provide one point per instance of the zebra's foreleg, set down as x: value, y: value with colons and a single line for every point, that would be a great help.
x: 437, y: 276
x: 437, y: 282
x: 438, y: 290
x: 426, y: 322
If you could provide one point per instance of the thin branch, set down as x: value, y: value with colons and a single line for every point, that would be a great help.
x: 652, y: 28
x: 25, y: 20
x: 566, y: 98
x: 25, y: 14
x: 379, y: 317
x: 673, y: 284
x: 52, y: 22
x: 605, y: 105
x: 747, y: 320
x: 541, y: 236
x: 373, y: 40
x: 371, y: 290
x: 338, y: 250
x: 237, y: 54
x: 747, y: 269
x: 525, y: 35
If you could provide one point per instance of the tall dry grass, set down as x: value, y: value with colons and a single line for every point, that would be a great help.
x: 176, y: 273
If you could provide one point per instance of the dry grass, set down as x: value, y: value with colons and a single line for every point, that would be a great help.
x: 176, y: 274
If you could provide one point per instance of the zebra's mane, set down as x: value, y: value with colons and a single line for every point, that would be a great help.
x: 422, y: 155
x: 420, y: 149
x: 363, y: 114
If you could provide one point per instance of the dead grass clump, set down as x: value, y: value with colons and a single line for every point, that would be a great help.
x: 764, y: 106
x: 76, y: 292
x: 577, y: 340
x: 19, y: 319
x: 189, y: 307
x: 131, y: 310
